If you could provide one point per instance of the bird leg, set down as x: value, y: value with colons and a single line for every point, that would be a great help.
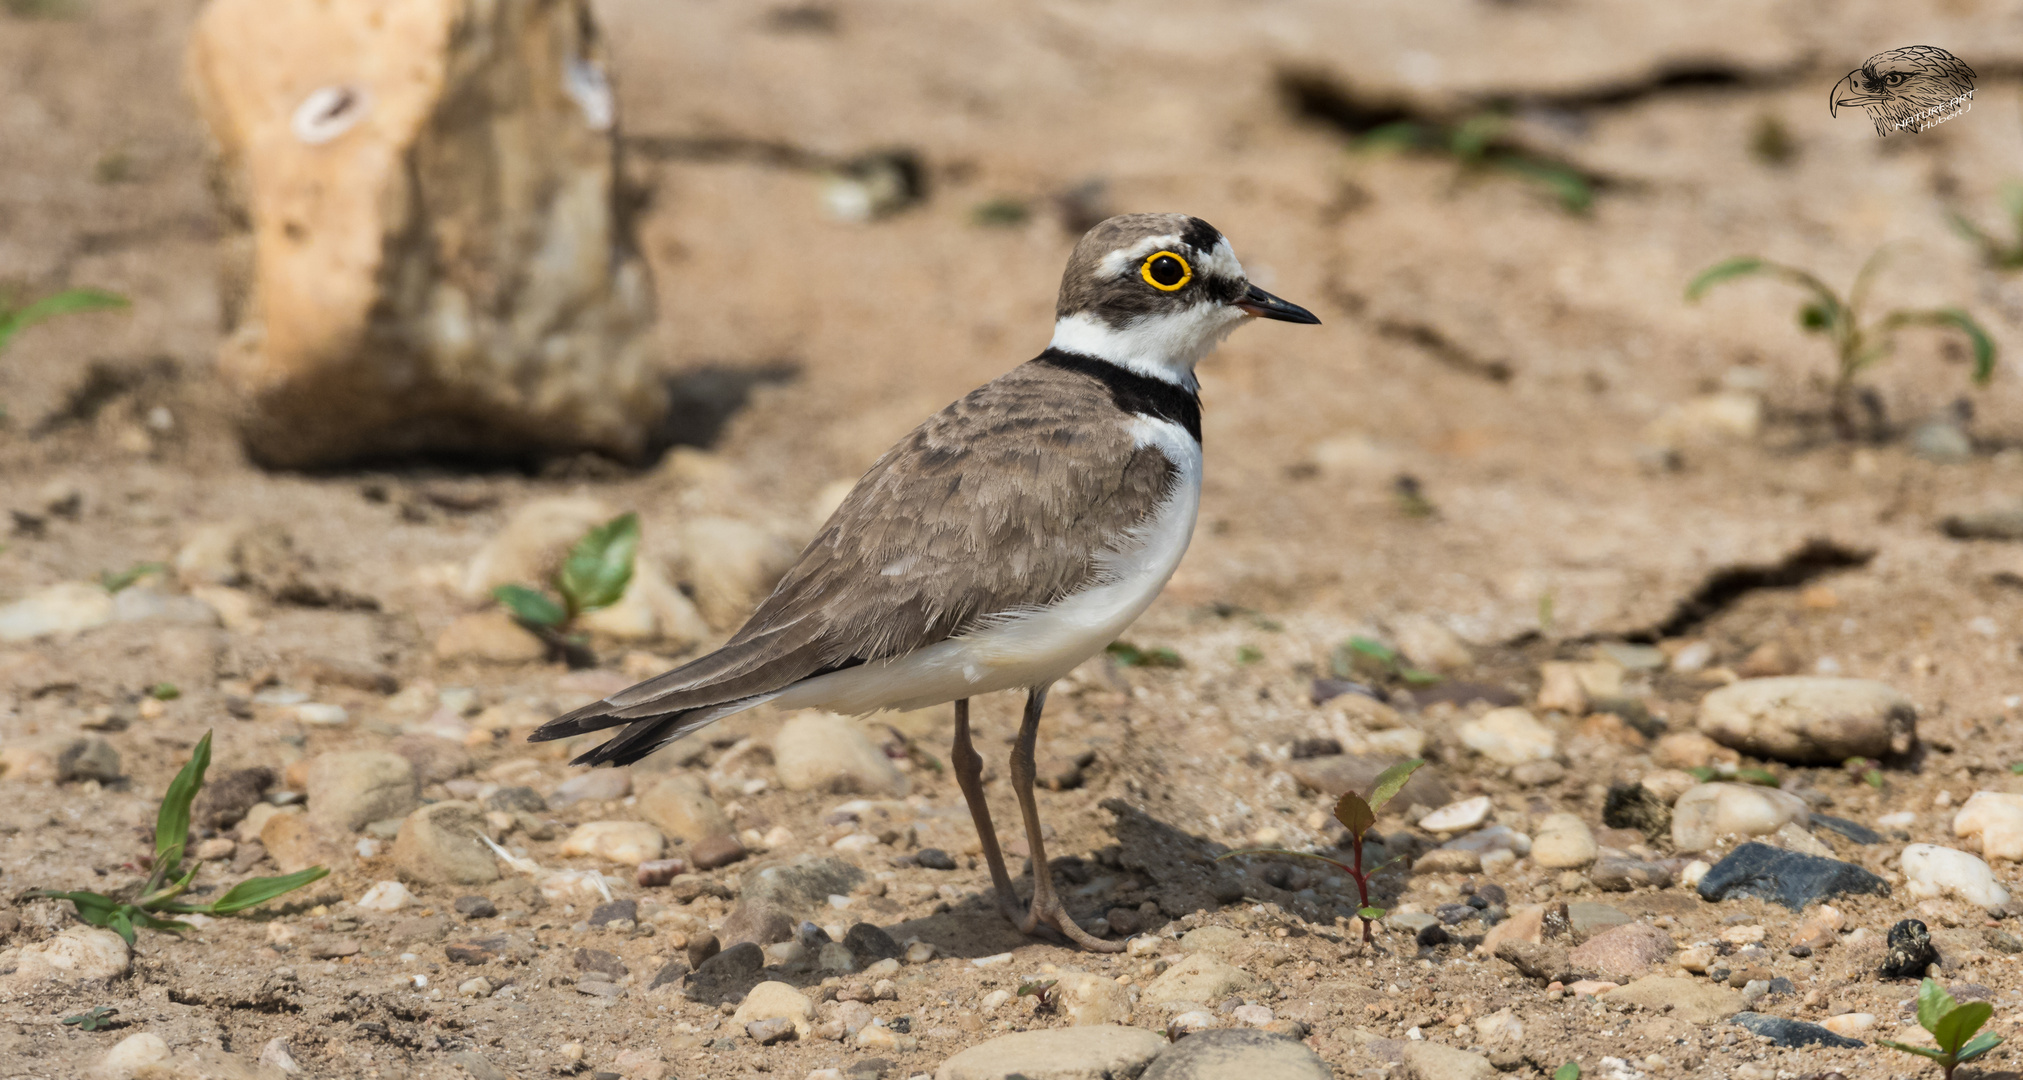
x: 969, y: 777
x: 1046, y: 905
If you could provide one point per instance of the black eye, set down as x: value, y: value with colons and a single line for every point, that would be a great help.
x: 1895, y: 77
x: 1166, y: 271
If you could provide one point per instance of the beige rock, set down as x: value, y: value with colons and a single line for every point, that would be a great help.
x: 1996, y: 818
x: 652, y: 609
x: 628, y: 842
x: 1092, y: 999
x: 1691, y: 750
x: 1432, y: 1061
x: 1508, y: 736
x: 1711, y: 811
x: 731, y: 564
x: 490, y: 636
x: 435, y: 257
x: 350, y: 788
x: 74, y: 955
x: 1622, y: 951
x: 819, y: 751
x: 1696, y: 1001
x: 28, y: 762
x: 1808, y: 719
x: 1199, y: 977
x: 1724, y: 416
x: 1790, y: 837
x: 1429, y: 644
x: 532, y: 544
x: 1563, y: 842
x: 776, y: 1001
x: 1852, y: 1025
x: 130, y: 1055
x: 681, y: 807
x: 1569, y: 687
x: 298, y: 842
x: 1669, y: 784
x: 1070, y: 1053
x: 68, y: 608
x: 439, y: 845
x: 1525, y: 924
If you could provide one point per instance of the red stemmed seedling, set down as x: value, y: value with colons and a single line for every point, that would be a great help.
x: 1358, y: 815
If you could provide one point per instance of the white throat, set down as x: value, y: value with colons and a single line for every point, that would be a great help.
x: 1164, y: 347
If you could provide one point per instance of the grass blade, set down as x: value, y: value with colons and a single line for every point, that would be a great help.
x: 172, y: 824
x: 1725, y: 270
x: 256, y: 891
x: 599, y: 567
x: 67, y: 302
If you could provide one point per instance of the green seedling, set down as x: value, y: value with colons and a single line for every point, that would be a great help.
x: 1367, y: 657
x: 1480, y: 145
x: 593, y: 575
x: 1998, y: 253
x: 1128, y: 655
x: 14, y: 319
x: 1358, y: 815
x: 1952, y: 1026
x: 1249, y: 654
x: 118, y: 580
x: 1868, y: 770
x: 158, y: 895
x: 1045, y: 999
x: 97, y: 1018
x: 1746, y: 774
x: 1858, y: 344
x: 164, y: 691
x: 1568, y: 1071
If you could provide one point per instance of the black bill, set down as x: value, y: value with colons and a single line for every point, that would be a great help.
x: 1266, y: 306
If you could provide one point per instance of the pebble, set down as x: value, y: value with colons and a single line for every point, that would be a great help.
x: 617, y: 911
x: 491, y: 637
x: 1708, y: 812
x: 1696, y: 1001
x: 1432, y: 1061
x: 627, y: 842
x: 1467, y: 854
x: 68, y: 608
x: 1508, y: 736
x: 1563, y: 841
x: 1457, y: 816
x: 1682, y: 750
x: 1786, y: 1032
x: 933, y: 859
x: 1911, y: 952
x: 385, y: 896
x: 1849, y: 1024
x: 1189, y: 1022
x: 349, y: 788
x: 1624, y: 951
x: 296, y: 842
x: 132, y: 1054
x: 1199, y: 977
x: 821, y: 751
x: 593, y: 785
x: 90, y: 758
x: 1098, y: 1052
x: 1667, y: 785
x: 1237, y: 1054
x: 1792, y: 838
x: 716, y: 851
x: 1787, y: 877
x: 1860, y: 834
x: 1934, y: 871
x: 1810, y: 719
x: 1614, y: 874
x: 654, y: 873
x: 438, y: 845
x: 1092, y: 999
x: 727, y: 976
x: 76, y: 954
x: 1996, y: 818
x: 768, y: 1032
x: 680, y: 806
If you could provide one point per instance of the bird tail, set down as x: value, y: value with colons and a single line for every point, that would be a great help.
x: 644, y: 735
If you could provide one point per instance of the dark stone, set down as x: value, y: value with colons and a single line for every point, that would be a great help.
x: 1224, y: 1052
x: 687, y: 887
x: 476, y: 951
x: 670, y: 974
x: 1971, y: 991
x: 1493, y: 893
x: 1622, y: 875
x: 869, y: 1069
x: 1791, y: 878
x: 712, y: 852
x: 1476, y: 901
x: 1782, y: 985
x: 1453, y: 914
x: 1309, y: 748
x: 934, y: 859
x: 902, y: 1024
x: 701, y: 947
x: 812, y: 937
x: 601, y: 962
x: 1432, y: 935
x: 2002, y: 940
x: 1124, y: 921
x: 1800, y: 951
x: 1786, y: 1032
x: 475, y: 907
x: 727, y: 976
x: 869, y: 944
x: 1911, y: 951
x: 615, y: 911
x: 1326, y: 690
x: 1632, y: 806
x: 1860, y: 834
x: 225, y: 799
x: 517, y: 800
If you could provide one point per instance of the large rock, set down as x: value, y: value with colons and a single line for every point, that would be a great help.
x: 680, y: 806
x: 77, y: 954
x: 1623, y: 951
x: 1930, y: 870
x: 1238, y: 1054
x: 1790, y: 878
x: 1508, y: 736
x: 1199, y: 977
x: 349, y: 788
x: 819, y: 751
x: 1997, y: 819
x: 1708, y: 812
x: 1432, y: 1061
x: 439, y: 845
x: 1696, y: 1001
x: 1807, y: 719
x: 1101, y: 1052
x: 434, y: 256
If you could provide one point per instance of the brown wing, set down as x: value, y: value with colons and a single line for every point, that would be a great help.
x: 1004, y: 500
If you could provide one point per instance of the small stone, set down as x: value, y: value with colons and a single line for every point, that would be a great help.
x: 475, y: 907
x: 1932, y: 871
x: 1710, y: 811
x: 701, y: 947
x: 1611, y: 874
x: 491, y: 637
x: 627, y: 842
x: 131, y: 1054
x: 1785, y: 1032
x: 1458, y: 816
x: 868, y: 944
x: 297, y: 842
x: 1538, y: 773
x: 1508, y: 736
x: 1787, y: 877
x: 654, y: 873
x: 920, y: 952
x: 1238, y: 1054
x: 1069, y: 1053
x: 276, y: 1055
x: 1810, y: 719
x: 1190, y: 1022
x: 439, y: 845
x: 818, y: 751
x: 687, y: 888
x: 615, y: 911
x: 348, y: 789
x: 1535, y: 960
x: 1996, y: 818
x: 1432, y: 1061
x: 1911, y: 952
x: 602, y: 962
x: 479, y: 987
x: 517, y: 800
x: 385, y: 896
x: 1092, y: 999
x: 1849, y: 1025
x: 934, y: 859
x: 1199, y: 977
x: 1860, y: 834
x: 768, y: 1032
x: 1667, y: 785
x: 225, y: 798
x: 1563, y: 841
x: 680, y: 806
x: 716, y: 851
x: 216, y: 849
x: 595, y: 785
x: 1691, y: 750
x: 90, y: 758
x: 776, y: 1001
x: 1624, y: 951
x: 596, y: 986
x: 1695, y: 1001
x: 476, y: 951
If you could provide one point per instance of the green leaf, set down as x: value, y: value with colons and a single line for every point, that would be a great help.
x: 2016, y: 767
x: 255, y: 891
x: 93, y: 908
x: 1978, y: 1045
x: 166, y: 691
x: 114, y: 582
x: 1702, y: 773
x: 1416, y: 677
x: 1959, y: 1025
x: 600, y: 565
x: 1355, y: 814
x: 1471, y: 139
x: 1370, y: 913
x: 1390, y: 782
x: 172, y: 824
x: 1921, y: 1051
x: 1763, y: 777
x: 97, y: 1017
x: 1374, y: 649
x: 1036, y: 987
x: 1725, y: 270
x: 68, y: 302
x: 1814, y: 317
x: 1129, y: 655
x: 1568, y: 1071
x: 121, y: 923
x: 1933, y: 1005
x: 1397, y: 135
x: 1249, y: 654
x: 531, y: 605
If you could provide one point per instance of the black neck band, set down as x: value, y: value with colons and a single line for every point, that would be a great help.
x: 1140, y: 395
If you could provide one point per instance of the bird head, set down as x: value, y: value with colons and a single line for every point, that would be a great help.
x: 1157, y: 292
x: 1899, y: 84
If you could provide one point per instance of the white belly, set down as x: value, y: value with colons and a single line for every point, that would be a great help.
x: 1033, y: 648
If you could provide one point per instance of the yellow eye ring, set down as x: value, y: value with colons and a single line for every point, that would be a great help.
x: 1186, y: 272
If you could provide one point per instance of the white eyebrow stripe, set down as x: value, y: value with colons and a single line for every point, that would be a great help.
x: 1116, y: 263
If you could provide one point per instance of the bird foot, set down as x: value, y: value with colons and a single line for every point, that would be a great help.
x: 1047, y: 911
